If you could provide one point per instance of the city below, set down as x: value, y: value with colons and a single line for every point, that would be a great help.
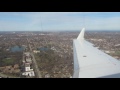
x: 34, y: 54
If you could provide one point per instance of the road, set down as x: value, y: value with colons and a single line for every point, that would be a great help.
x: 37, y: 72
x: 22, y: 65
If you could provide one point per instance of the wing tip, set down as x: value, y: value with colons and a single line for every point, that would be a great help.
x: 81, y: 35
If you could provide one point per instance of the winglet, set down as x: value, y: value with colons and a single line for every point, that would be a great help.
x: 81, y: 35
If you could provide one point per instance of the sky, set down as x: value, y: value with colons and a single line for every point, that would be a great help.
x: 59, y: 21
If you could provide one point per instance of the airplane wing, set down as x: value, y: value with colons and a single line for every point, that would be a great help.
x: 90, y: 62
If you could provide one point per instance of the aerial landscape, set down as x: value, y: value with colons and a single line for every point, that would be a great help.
x: 47, y: 52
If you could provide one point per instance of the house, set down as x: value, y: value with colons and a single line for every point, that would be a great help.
x: 36, y: 51
x: 27, y: 54
x: 27, y: 67
x: 28, y: 71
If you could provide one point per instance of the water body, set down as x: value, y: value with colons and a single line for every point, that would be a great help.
x: 43, y: 49
x: 17, y: 49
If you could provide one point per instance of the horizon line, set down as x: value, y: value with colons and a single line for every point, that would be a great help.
x: 54, y: 30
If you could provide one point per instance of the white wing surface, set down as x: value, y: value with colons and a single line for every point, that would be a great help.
x: 89, y: 62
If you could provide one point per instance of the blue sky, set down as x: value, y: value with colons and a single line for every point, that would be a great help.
x: 59, y: 21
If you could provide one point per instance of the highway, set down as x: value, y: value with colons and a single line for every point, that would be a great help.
x: 37, y: 72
